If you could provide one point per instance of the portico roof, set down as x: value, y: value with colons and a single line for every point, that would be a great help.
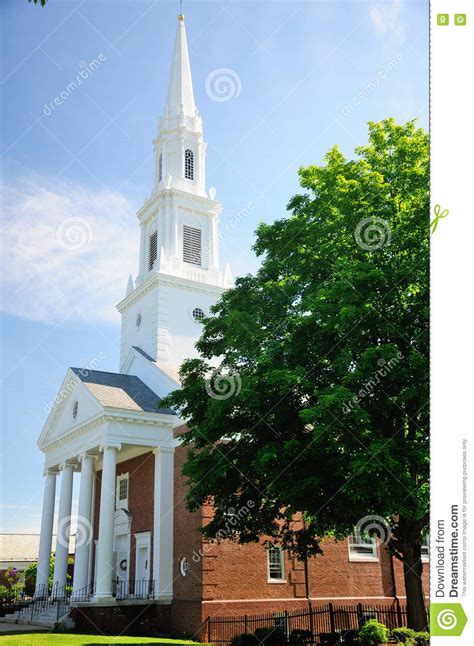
x: 120, y: 391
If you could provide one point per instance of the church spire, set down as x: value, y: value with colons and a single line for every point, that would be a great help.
x: 180, y: 89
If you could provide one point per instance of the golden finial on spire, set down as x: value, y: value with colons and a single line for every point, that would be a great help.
x: 181, y: 15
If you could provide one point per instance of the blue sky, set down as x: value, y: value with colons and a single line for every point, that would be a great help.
x: 307, y: 76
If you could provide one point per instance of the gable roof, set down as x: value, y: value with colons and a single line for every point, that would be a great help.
x: 121, y: 391
x: 143, y: 353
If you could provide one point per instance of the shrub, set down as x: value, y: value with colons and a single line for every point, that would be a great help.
x: 300, y: 636
x: 403, y: 634
x: 270, y: 635
x: 373, y: 633
x: 245, y: 639
x: 422, y: 639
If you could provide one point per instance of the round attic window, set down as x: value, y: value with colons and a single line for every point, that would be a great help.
x: 139, y: 320
x: 75, y: 409
x: 198, y: 314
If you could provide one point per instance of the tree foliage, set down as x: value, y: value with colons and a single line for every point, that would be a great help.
x: 328, y: 345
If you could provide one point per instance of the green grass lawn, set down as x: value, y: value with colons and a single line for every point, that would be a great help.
x: 66, y: 639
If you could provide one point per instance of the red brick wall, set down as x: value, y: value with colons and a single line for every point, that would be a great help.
x: 231, y: 579
x: 186, y: 611
x: 140, y: 499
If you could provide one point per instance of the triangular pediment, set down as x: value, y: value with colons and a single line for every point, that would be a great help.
x: 73, y: 406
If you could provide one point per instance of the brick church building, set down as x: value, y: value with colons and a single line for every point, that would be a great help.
x: 138, y: 551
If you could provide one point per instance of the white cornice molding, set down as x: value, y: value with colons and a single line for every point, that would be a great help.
x: 155, y: 277
x: 212, y: 206
x: 118, y: 415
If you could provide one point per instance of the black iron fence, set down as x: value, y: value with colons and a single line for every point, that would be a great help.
x: 139, y: 589
x: 316, y: 625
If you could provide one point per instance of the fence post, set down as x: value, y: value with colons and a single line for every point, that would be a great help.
x: 246, y: 627
x: 360, y: 613
x: 399, y: 614
x: 208, y: 628
x: 311, y: 621
x: 331, y: 618
x: 286, y: 624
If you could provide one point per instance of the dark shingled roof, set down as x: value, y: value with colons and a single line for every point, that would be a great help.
x: 121, y: 391
x: 143, y: 353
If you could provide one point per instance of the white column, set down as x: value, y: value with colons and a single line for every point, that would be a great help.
x: 64, y: 526
x: 46, y: 536
x: 105, y: 544
x: 84, y: 524
x: 163, y: 523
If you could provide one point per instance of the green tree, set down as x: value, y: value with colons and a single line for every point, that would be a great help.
x: 325, y: 356
x: 31, y: 571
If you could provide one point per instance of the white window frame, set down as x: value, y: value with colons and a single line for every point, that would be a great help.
x: 189, y: 165
x: 122, y: 504
x: 425, y: 549
x: 355, y: 540
x: 282, y: 578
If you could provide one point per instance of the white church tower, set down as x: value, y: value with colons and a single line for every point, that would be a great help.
x: 178, y: 278
x: 101, y: 420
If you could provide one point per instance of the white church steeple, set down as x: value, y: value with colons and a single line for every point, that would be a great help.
x: 179, y: 277
x: 180, y: 150
x: 180, y: 88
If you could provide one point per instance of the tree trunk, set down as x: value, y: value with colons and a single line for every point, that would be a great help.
x: 412, y: 570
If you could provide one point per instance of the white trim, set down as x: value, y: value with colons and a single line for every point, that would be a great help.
x: 143, y: 539
x: 121, y: 504
x: 282, y: 579
x: 354, y: 557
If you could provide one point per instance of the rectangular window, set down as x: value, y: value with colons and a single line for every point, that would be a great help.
x: 192, y: 245
x: 121, y: 501
x: 362, y: 547
x: 152, y: 249
x: 425, y: 548
x: 276, y: 567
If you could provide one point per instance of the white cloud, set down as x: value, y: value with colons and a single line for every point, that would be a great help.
x: 385, y: 17
x: 68, y: 250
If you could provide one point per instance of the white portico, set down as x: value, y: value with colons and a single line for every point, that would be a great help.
x: 101, y: 419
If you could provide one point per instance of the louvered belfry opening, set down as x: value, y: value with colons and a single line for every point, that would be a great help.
x: 152, y: 250
x: 192, y: 245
